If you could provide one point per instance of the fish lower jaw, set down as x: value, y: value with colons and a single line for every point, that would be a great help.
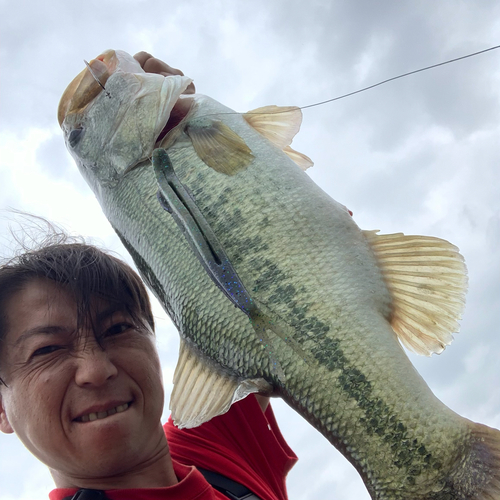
x: 103, y: 414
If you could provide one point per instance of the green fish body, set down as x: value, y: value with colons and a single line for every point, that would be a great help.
x: 326, y: 297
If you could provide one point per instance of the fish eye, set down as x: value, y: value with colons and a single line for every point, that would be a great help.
x: 74, y: 136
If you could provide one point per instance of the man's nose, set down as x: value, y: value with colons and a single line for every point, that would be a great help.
x: 94, y: 367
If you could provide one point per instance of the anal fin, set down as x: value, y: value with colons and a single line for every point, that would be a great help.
x: 203, y: 390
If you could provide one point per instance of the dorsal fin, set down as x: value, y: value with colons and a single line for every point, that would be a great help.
x: 303, y: 161
x: 218, y: 146
x: 279, y: 124
x: 202, y: 390
x: 427, y: 278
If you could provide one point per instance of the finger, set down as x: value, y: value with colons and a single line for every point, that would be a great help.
x: 154, y: 65
x: 151, y: 64
x: 142, y: 57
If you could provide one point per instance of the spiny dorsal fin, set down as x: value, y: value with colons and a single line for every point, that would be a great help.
x: 218, y: 146
x: 202, y: 390
x: 279, y: 124
x: 427, y: 278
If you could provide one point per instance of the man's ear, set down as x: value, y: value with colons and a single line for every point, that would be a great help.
x: 5, y: 426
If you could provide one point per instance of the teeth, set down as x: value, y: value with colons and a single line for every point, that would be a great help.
x: 121, y: 408
x: 103, y: 414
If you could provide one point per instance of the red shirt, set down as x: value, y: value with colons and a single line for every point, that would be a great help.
x: 244, y: 444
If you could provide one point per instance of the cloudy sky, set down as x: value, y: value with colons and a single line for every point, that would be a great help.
x: 420, y: 155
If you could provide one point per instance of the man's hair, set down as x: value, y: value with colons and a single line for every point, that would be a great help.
x: 85, y: 271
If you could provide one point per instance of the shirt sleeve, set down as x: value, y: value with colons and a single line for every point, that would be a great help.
x: 244, y: 445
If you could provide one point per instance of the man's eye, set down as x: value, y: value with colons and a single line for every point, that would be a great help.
x: 119, y: 328
x: 46, y: 350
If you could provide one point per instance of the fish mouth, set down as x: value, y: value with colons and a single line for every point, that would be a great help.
x: 84, y: 88
x: 180, y: 110
x: 90, y: 82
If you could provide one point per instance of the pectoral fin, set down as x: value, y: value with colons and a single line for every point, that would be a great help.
x: 427, y: 278
x: 279, y: 124
x: 202, y: 390
x: 218, y: 146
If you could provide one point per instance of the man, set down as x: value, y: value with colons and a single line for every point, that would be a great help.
x: 81, y: 386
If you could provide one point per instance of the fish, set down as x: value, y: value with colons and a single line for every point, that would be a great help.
x: 272, y: 286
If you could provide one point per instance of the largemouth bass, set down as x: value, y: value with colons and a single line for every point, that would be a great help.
x: 272, y: 285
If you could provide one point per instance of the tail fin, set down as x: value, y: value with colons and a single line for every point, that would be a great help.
x: 477, y: 474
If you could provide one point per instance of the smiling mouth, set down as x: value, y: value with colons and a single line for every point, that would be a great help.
x: 90, y: 417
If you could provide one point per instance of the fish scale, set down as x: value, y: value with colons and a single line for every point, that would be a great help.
x: 341, y: 371
x: 324, y: 294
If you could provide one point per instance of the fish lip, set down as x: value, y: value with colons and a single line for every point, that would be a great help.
x: 102, y: 407
x: 104, y: 66
x: 83, y: 89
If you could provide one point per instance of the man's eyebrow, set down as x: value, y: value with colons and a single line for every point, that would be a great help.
x: 109, y: 311
x: 54, y: 329
x: 40, y: 330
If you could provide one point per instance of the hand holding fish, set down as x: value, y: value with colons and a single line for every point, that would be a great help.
x: 151, y: 64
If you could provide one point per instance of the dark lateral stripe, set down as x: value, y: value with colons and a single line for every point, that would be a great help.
x: 409, y: 453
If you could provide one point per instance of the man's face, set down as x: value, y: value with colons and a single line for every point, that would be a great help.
x: 86, y: 409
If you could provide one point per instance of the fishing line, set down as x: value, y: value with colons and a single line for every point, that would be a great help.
x: 372, y: 86
x: 401, y: 76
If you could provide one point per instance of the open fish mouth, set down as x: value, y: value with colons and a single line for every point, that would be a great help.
x: 179, y: 112
x: 88, y: 85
